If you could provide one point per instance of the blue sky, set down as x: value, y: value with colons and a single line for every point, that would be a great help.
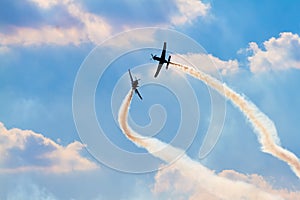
x: 43, y: 44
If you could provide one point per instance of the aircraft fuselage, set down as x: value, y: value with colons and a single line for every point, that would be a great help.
x: 135, y: 84
x: 159, y: 59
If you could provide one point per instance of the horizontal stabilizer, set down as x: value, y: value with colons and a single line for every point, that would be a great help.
x: 168, y: 62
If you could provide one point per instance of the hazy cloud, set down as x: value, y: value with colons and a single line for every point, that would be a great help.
x: 44, y: 35
x: 261, y: 183
x: 27, y: 189
x: 4, y: 49
x: 208, y: 63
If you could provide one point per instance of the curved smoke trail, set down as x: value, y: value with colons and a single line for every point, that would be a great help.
x: 263, y: 126
x: 221, y: 187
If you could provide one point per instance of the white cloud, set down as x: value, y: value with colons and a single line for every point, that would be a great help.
x: 95, y: 27
x: 207, y: 63
x: 280, y: 53
x: 24, y: 150
x: 173, y: 183
x: 90, y: 28
x: 189, y: 10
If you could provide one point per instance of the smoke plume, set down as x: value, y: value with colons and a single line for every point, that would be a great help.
x: 221, y: 187
x: 262, y: 125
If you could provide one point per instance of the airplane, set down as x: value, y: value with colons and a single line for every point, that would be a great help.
x: 161, y: 59
x: 135, y: 84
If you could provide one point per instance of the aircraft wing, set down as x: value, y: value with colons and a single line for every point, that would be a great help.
x: 163, y: 53
x: 136, y: 91
x: 130, y: 76
x: 158, y: 69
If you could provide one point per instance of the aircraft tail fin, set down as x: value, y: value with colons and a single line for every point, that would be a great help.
x: 168, y: 62
x: 138, y: 93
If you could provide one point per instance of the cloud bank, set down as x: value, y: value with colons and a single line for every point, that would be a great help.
x: 76, y: 25
x: 25, y: 150
x: 171, y: 183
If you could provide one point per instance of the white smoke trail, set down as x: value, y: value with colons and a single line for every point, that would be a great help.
x: 263, y: 126
x: 222, y: 187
